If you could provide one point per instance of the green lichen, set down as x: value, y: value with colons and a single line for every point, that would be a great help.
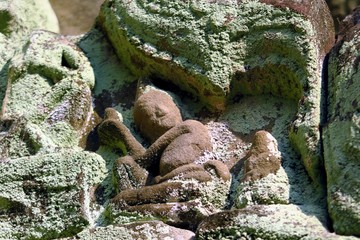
x: 54, y: 112
x: 109, y: 232
x: 30, y: 15
x: 246, y: 233
x: 212, y: 197
x: 216, y: 51
x: 254, y: 113
x: 257, y: 222
x: 341, y: 134
x: 17, y: 20
x: 123, y: 217
x: 342, y: 178
x: 111, y: 74
x: 48, y: 194
x: 57, y: 83
x: 265, y: 80
x: 214, y: 193
x: 5, y: 19
x: 45, y: 193
x: 201, y: 45
x: 110, y: 183
x: 272, y: 189
x: 140, y: 230
x: 115, y: 84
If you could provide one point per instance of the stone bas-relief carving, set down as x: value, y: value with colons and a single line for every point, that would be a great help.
x: 48, y: 97
x: 47, y: 182
x: 258, y: 63
x: 166, y: 171
x: 18, y: 19
x: 263, y: 158
x: 222, y: 49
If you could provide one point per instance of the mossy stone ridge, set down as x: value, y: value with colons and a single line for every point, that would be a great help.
x: 257, y: 222
x: 141, y: 230
x: 17, y: 19
x: 49, y: 196
x: 48, y: 97
x: 342, y: 131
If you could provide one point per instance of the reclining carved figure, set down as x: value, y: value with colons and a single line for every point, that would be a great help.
x: 147, y: 174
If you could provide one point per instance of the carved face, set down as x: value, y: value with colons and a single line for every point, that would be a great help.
x: 155, y: 113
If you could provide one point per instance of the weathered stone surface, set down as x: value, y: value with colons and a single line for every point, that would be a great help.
x: 47, y: 182
x: 49, y: 196
x: 263, y: 158
x: 291, y: 183
x: 342, y: 132
x: 222, y: 49
x: 181, y: 203
x: 141, y: 230
x: 272, y: 189
x: 20, y: 18
x: 195, y: 38
x: 265, y: 222
x: 272, y: 48
x: 48, y: 97
x: 263, y: 179
x: 17, y: 19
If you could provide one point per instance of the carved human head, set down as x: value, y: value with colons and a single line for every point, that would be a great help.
x: 155, y: 113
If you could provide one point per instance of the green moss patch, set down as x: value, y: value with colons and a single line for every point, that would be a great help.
x: 45, y: 196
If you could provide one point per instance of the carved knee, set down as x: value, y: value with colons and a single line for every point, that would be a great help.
x: 111, y: 113
x: 130, y: 174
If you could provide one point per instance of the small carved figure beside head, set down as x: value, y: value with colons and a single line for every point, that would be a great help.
x: 263, y: 157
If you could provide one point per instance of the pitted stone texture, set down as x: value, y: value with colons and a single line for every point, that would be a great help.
x: 142, y: 230
x: 272, y: 189
x: 342, y: 132
x: 17, y: 19
x: 262, y: 180
x: 164, y: 180
x: 266, y: 222
x: 178, y: 202
x: 224, y: 49
x: 49, y: 196
x: 48, y: 97
x: 263, y: 158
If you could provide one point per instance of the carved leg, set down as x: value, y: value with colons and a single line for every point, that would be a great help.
x: 131, y: 175
x: 189, y: 171
x: 159, y: 193
x: 114, y: 133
